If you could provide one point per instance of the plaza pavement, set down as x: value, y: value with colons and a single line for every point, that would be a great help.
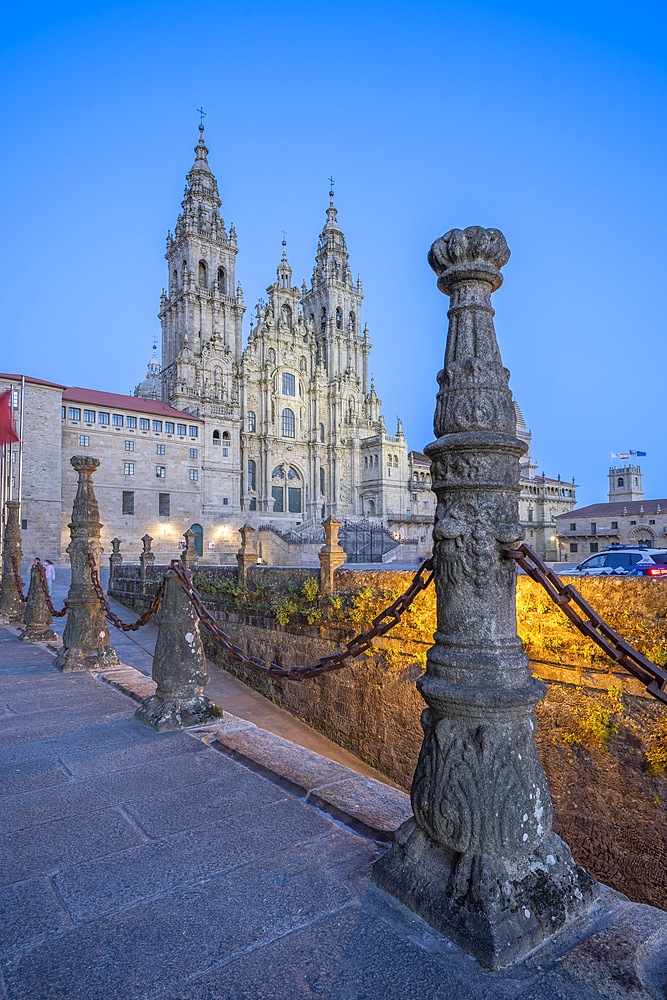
x: 138, y: 865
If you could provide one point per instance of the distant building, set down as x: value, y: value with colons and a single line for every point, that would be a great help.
x: 627, y: 519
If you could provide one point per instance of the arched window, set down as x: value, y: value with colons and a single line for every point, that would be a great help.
x: 365, y: 461
x: 620, y: 481
x: 252, y: 421
x: 198, y: 532
x: 395, y: 461
x: 339, y: 319
x: 323, y: 318
x: 202, y: 274
x: 321, y: 433
x: 174, y: 280
x: 216, y: 438
x: 353, y: 322
x: 222, y: 281
x: 288, y: 384
x: 636, y: 481
x: 252, y: 474
x: 322, y: 481
x: 288, y: 423
x: 225, y: 437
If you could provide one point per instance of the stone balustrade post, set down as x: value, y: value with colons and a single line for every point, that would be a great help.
x: 189, y: 557
x: 179, y: 666
x: 115, y: 561
x: 246, y: 555
x: 332, y: 555
x: 146, y: 560
x: 479, y: 859
x: 12, y: 608
x: 38, y: 616
x: 86, y: 637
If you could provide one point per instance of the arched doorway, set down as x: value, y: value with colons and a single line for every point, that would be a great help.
x: 198, y: 532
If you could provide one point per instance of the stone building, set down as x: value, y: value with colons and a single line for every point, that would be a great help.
x: 627, y: 519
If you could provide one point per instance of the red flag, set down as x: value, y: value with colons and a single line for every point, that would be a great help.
x: 7, y: 432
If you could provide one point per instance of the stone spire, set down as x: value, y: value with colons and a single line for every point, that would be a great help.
x: 201, y: 200
x: 151, y: 386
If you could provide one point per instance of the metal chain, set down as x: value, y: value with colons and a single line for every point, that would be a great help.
x: 47, y: 595
x: 110, y: 615
x: 565, y: 595
x: 354, y: 647
x: 17, y: 579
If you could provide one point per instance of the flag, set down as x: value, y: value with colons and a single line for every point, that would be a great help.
x: 640, y: 454
x: 7, y: 432
x: 624, y: 455
x: 614, y: 455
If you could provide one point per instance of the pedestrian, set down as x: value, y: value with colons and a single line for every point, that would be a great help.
x: 49, y: 572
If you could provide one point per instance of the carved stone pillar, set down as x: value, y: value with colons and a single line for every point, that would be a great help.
x: 86, y: 637
x: 146, y: 560
x: 189, y: 556
x: 246, y: 555
x: 115, y: 560
x: 179, y: 666
x: 38, y: 617
x: 12, y: 607
x: 332, y: 555
x: 479, y: 859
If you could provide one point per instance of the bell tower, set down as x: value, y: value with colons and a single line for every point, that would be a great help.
x: 625, y: 483
x: 203, y: 302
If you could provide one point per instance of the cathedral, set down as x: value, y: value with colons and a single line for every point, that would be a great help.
x: 292, y: 426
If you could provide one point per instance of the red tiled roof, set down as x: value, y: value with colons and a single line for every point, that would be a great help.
x: 33, y: 381
x: 630, y: 507
x: 115, y: 400
x: 420, y: 458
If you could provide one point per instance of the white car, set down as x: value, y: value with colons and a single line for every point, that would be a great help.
x: 624, y: 560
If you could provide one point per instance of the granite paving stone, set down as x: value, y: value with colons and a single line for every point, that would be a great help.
x: 101, y: 736
x: 165, y: 746
x: 29, y: 911
x: 49, y: 846
x: 31, y: 776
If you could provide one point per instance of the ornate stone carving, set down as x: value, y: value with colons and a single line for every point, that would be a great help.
x: 479, y: 860
x: 86, y: 637
x: 37, y: 614
x: 12, y: 608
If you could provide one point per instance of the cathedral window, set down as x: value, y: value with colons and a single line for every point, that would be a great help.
x: 395, y: 461
x: 225, y: 444
x: 252, y: 421
x: 278, y: 472
x: 131, y: 423
x: 144, y: 423
x: 288, y: 384
x: 174, y: 280
x: 202, y: 274
x: 620, y: 481
x: 222, y: 281
x: 163, y: 505
x: 322, y: 433
x: 288, y: 423
x: 292, y: 473
x: 323, y: 318
x: 339, y: 319
x: 322, y: 481
x: 216, y: 438
x: 252, y: 474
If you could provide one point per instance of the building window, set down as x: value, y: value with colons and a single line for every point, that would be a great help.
x: 620, y: 481
x: 252, y: 421
x: 194, y: 475
x: 202, y: 274
x: 252, y: 474
x: 225, y: 501
x: 159, y: 449
x: 168, y: 427
x: 426, y: 504
x: 651, y: 522
x: 157, y: 426
x: 530, y: 514
x: 573, y: 527
x: 194, y: 452
x: 160, y: 472
x: 574, y: 547
x: 633, y: 522
x: 339, y: 319
x: 74, y: 413
x: 322, y: 481
x: 288, y: 384
x: 163, y: 505
x: 225, y: 452
x: 63, y: 412
x: 636, y: 481
x: 180, y: 429
x: 103, y: 418
x: 287, y: 423
x: 413, y: 496
x: 15, y: 398
x: 131, y: 423
x: 594, y: 528
x: 84, y: 442
x: 129, y: 446
x: 117, y: 420
x: 144, y: 424
x: 194, y: 432
x: 321, y: 433
x: 216, y: 438
x: 128, y: 502
x: 222, y: 281
x: 89, y: 416
x: 614, y: 525
x: 595, y: 546
x: 128, y: 468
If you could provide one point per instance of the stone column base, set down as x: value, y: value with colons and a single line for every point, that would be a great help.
x: 38, y: 633
x: 73, y: 659
x: 13, y: 619
x: 497, y: 910
x: 163, y: 715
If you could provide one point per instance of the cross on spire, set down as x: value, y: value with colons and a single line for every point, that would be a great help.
x: 202, y: 115
x: 331, y: 186
x: 284, y: 232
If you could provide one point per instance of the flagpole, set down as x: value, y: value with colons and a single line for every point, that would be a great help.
x: 3, y: 467
x: 20, y: 490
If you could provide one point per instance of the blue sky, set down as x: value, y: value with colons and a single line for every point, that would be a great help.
x: 544, y: 120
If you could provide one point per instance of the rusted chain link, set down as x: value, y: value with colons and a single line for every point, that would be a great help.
x: 565, y: 595
x: 354, y: 647
x: 17, y: 579
x: 110, y: 615
x: 47, y: 595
